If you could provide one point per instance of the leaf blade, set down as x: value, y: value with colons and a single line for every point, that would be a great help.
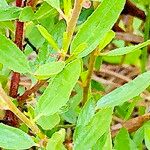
x: 126, y: 50
x: 49, y: 69
x: 9, y: 136
x: 12, y: 57
x: 102, y: 22
x: 97, y: 126
x: 48, y: 37
x: 60, y: 89
x: 125, y: 92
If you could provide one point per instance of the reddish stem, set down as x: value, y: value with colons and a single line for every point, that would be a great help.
x: 15, y: 79
x: 18, y: 41
x: 32, y: 3
x: 34, y: 89
x: 18, y: 3
x: 10, y: 118
x: 131, y: 9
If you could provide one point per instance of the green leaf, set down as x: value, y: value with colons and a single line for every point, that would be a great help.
x: 58, y: 31
x: 98, y: 25
x: 26, y: 14
x: 56, y: 141
x: 48, y: 122
x: 49, y: 69
x: 104, y: 143
x: 86, y: 137
x: 13, y: 138
x: 87, y: 113
x: 67, y: 6
x: 123, y: 141
x: 9, y: 13
x: 3, y: 4
x: 147, y: 136
x: 125, y: 92
x: 43, y: 53
x: 126, y: 50
x: 37, y: 40
x: 7, y: 25
x: 79, y: 48
x: 12, y: 57
x: 3, y: 80
x: 144, y: 2
x: 58, y: 91
x: 106, y: 40
x: 54, y: 3
x: 139, y: 136
x: 44, y: 11
x: 48, y: 37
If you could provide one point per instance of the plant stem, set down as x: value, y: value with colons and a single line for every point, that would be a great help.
x: 19, y: 114
x: 27, y: 93
x: 72, y: 22
x: 15, y: 79
x: 32, y: 3
x: 10, y: 118
x: 144, y: 55
x: 131, y: 9
x: 89, y: 76
x: 18, y: 41
x: 131, y: 125
x: 66, y: 126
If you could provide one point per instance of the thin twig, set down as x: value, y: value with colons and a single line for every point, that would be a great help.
x: 129, y: 37
x: 131, y: 9
x: 34, y: 89
x: 104, y: 81
x: 107, y: 71
x: 131, y: 125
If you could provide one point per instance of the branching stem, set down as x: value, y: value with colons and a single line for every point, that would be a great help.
x: 34, y: 89
x: 72, y: 22
x: 19, y: 114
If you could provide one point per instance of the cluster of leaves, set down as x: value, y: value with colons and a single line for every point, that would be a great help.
x: 58, y: 108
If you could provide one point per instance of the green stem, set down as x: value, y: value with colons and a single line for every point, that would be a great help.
x: 89, y: 76
x: 66, y: 126
x: 72, y: 23
x: 144, y: 58
x: 19, y: 114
